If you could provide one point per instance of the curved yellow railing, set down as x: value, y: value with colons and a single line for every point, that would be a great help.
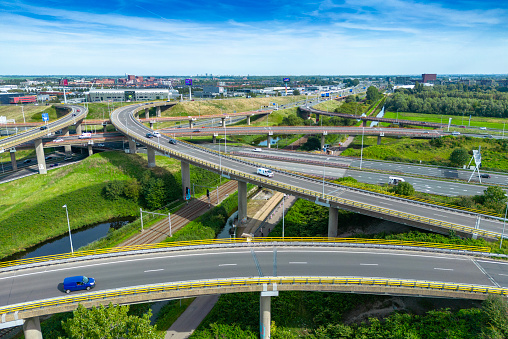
x: 326, y: 240
x: 236, y: 282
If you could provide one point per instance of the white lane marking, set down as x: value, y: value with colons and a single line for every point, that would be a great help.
x: 227, y: 265
x: 160, y: 269
x: 298, y: 262
x: 368, y: 264
x: 504, y: 275
x: 443, y: 269
x: 485, y: 272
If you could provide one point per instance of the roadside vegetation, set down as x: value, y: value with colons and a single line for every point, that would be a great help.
x: 111, y: 184
x: 432, y: 152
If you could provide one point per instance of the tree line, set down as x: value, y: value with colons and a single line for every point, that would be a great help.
x: 449, y: 101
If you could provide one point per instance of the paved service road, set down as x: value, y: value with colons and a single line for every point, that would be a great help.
x: 45, y: 282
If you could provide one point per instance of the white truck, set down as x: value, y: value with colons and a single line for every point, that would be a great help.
x: 265, y: 172
x: 86, y: 135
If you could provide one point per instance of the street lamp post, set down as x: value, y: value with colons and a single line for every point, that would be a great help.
x: 361, y: 151
x: 69, y: 226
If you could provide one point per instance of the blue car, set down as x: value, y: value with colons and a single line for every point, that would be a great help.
x: 77, y: 283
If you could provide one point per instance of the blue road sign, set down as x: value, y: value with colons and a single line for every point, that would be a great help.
x: 286, y: 80
x: 188, y: 82
x: 45, y: 117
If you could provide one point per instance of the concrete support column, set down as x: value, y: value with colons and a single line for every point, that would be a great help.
x: 364, y: 123
x: 322, y: 141
x: 185, y: 176
x: 150, y: 152
x: 39, y: 151
x: 78, y: 128
x: 223, y: 122
x: 191, y: 123
x: 158, y: 111
x: 147, y: 113
x: 269, y: 141
x: 132, y: 146
x: 151, y: 124
x: 104, y: 128
x: 32, y: 328
x: 333, y: 221
x: 14, y: 164
x: 242, y: 200
x: 265, y: 304
x: 214, y: 139
x: 379, y: 140
x: 317, y: 117
x: 65, y: 133
x: 248, y: 120
x: 90, y: 150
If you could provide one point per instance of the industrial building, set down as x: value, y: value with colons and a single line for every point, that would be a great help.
x: 97, y: 95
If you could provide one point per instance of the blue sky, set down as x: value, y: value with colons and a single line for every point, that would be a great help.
x: 273, y: 37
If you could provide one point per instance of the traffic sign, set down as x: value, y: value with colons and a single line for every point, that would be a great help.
x: 188, y: 82
x: 45, y: 117
x: 285, y: 79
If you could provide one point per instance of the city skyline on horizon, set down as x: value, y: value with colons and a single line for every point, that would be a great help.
x: 240, y: 38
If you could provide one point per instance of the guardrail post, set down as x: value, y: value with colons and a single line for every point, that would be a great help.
x: 39, y: 151
x: 32, y: 328
x: 333, y: 220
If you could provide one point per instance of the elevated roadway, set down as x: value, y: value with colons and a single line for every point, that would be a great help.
x: 422, y: 215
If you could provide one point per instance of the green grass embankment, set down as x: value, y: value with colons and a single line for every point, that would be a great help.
x: 31, y: 208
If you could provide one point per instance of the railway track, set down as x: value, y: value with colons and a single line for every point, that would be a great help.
x: 194, y: 209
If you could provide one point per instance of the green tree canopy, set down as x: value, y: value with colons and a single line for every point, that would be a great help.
x: 404, y: 188
x: 373, y: 95
x: 459, y: 157
x: 110, y: 322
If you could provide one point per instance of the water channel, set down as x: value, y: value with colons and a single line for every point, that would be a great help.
x: 80, y: 238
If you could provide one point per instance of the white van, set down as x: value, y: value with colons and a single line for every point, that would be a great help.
x: 85, y: 136
x: 395, y: 180
x: 265, y: 172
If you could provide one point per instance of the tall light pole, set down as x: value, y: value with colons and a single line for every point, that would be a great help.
x: 504, y: 224
x: 69, y: 226
x: 361, y: 151
x: 324, y: 163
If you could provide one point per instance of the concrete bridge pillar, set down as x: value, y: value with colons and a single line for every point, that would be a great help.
x: 185, y: 176
x: 364, y: 123
x: 32, y: 328
x: 151, y: 124
x: 14, y: 164
x: 104, y: 127
x: 322, y: 141
x: 317, y: 117
x: 242, y: 200
x: 265, y: 303
x: 65, y: 133
x: 223, y: 122
x: 78, y: 127
x: 90, y: 150
x: 158, y: 111
x: 269, y: 141
x: 248, y: 120
x: 214, y: 139
x: 132, y: 146
x: 379, y: 140
x: 150, y: 152
x: 333, y: 221
x: 147, y: 113
x: 39, y: 151
x: 191, y: 123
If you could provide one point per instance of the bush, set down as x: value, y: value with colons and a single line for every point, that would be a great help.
x: 113, y: 190
x: 404, y: 188
x: 459, y: 157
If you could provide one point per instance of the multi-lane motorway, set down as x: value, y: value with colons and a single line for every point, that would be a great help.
x: 269, y: 261
x: 124, y: 120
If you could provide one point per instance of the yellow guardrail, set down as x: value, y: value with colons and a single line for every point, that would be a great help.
x: 39, y: 134
x: 317, y: 195
x: 121, y: 249
x: 236, y: 282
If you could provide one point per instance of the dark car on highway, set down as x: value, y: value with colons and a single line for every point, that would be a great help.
x: 172, y: 141
x: 44, y: 127
x: 485, y: 175
x: 149, y: 135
